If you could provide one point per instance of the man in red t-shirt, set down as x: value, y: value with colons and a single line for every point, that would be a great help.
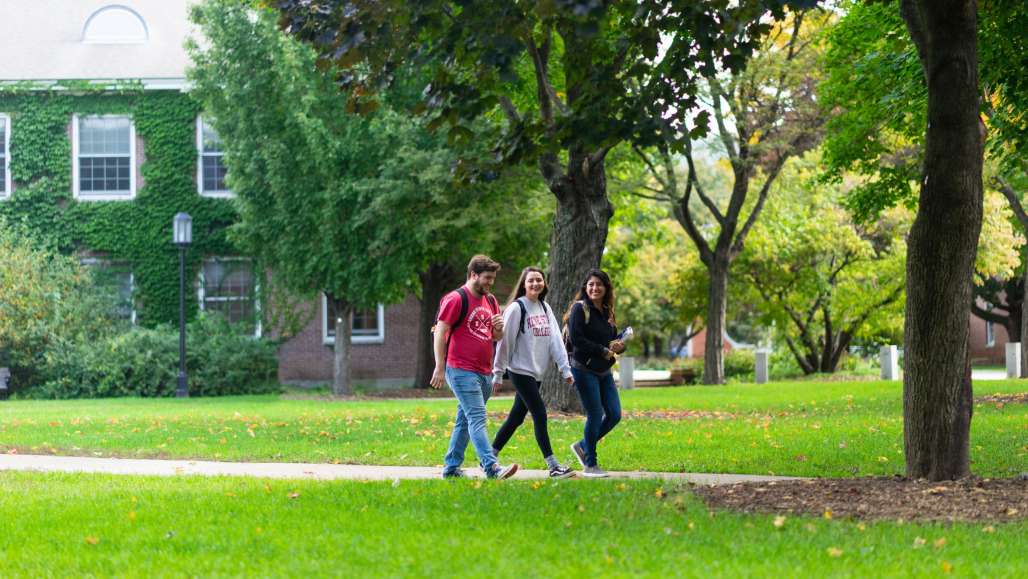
x: 468, y: 325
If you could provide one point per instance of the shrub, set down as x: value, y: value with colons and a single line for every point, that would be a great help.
x: 739, y: 365
x: 144, y: 362
x: 45, y: 299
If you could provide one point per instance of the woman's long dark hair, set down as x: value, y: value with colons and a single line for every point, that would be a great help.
x: 608, y: 296
x: 519, y: 290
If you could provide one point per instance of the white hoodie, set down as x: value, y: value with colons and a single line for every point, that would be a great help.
x: 534, y: 351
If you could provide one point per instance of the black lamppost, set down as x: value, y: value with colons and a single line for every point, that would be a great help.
x: 182, y: 235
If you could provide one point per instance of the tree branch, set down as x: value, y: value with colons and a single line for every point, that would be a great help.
x: 1012, y: 197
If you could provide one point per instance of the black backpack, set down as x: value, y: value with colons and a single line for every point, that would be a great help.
x: 463, y: 314
x: 568, y: 347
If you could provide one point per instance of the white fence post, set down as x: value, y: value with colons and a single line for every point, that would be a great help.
x: 1014, y: 359
x: 761, y: 371
x: 626, y: 370
x: 889, y: 357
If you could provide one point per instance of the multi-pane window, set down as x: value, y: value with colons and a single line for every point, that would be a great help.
x: 117, y: 285
x: 5, y: 159
x: 212, y: 170
x: 104, y: 157
x: 228, y: 286
x: 367, y: 325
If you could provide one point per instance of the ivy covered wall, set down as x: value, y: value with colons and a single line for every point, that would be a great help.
x: 137, y: 231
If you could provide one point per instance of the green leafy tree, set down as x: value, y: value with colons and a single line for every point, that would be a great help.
x: 572, y: 79
x: 764, y: 115
x: 821, y: 278
x: 923, y: 123
x: 349, y: 205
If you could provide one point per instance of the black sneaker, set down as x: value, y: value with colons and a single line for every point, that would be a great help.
x: 576, y: 449
x: 456, y: 473
x: 561, y: 471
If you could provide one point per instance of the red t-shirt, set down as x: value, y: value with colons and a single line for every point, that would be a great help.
x: 471, y: 344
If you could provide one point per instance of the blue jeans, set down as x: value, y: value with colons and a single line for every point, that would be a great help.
x: 602, y: 408
x: 472, y: 391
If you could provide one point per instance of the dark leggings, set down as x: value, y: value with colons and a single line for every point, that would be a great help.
x: 602, y: 407
x: 526, y: 400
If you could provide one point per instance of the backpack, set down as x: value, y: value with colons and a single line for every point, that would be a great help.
x: 568, y: 347
x: 460, y: 316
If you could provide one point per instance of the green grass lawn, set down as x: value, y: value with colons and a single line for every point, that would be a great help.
x: 102, y: 525
x: 804, y: 429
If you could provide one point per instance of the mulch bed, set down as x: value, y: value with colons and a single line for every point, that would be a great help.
x: 1001, y: 399
x: 885, y: 498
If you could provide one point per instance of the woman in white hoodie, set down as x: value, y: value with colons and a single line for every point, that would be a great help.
x: 531, y: 344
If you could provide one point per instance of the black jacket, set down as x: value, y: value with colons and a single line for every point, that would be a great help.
x: 589, y: 340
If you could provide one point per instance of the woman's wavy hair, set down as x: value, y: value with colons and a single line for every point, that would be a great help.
x: 520, y: 290
x: 608, y: 296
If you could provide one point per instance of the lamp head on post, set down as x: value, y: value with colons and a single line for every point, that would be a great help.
x: 182, y: 229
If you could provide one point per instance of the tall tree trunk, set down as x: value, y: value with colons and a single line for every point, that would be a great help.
x: 579, y: 235
x: 943, y: 241
x: 341, y: 367
x: 717, y: 299
x: 646, y: 348
x: 658, y: 346
x: 438, y: 279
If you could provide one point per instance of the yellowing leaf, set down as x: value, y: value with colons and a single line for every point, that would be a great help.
x: 92, y: 540
x: 294, y: 495
x: 659, y: 493
x: 828, y: 514
x: 919, y: 542
x: 834, y: 552
x: 779, y: 521
x: 947, y: 567
x: 939, y: 543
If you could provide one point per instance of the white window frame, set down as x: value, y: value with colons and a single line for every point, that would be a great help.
x: 328, y: 340
x: 990, y: 335
x: 6, y: 194
x: 200, y: 293
x: 106, y: 196
x: 97, y: 262
x: 221, y: 193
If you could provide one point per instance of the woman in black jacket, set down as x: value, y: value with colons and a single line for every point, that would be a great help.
x: 592, y: 333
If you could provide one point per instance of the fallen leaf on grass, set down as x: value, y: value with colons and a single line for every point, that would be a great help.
x: 294, y: 495
x: 92, y: 540
x: 779, y: 521
x: 659, y: 493
x: 939, y: 543
x: 834, y: 552
x: 828, y: 514
x: 946, y: 567
x: 989, y: 529
x: 919, y: 542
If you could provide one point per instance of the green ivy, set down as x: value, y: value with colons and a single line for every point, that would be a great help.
x: 138, y: 231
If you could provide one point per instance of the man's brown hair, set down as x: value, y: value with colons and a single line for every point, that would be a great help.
x: 482, y: 263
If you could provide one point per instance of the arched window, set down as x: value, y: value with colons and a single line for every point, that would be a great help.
x: 115, y: 24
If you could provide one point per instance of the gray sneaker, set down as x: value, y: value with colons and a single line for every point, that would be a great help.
x: 503, y: 472
x: 576, y: 449
x: 594, y: 472
x: 455, y: 473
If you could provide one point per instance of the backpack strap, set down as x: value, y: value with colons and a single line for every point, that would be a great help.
x: 463, y: 293
x: 524, y: 314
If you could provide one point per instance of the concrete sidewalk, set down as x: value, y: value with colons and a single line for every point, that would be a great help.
x: 292, y: 470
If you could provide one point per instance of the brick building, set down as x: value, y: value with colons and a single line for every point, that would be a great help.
x: 107, y: 65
